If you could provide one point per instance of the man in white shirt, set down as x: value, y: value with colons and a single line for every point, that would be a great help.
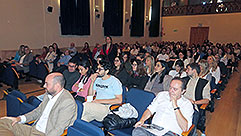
x: 173, y: 112
x: 57, y: 111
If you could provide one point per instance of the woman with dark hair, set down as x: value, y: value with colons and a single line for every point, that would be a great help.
x: 138, y: 76
x: 50, y: 57
x: 159, y: 81
x: 81, y: 87
x: 109, y: 49
x: 179, y: 70
x: 56, y: 49
x: 126, y: 61
x: 119, y: 70
x: 45, y: 50
x: 189, y: 58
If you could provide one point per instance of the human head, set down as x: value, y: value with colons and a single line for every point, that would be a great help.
x: 103, y: 68
x: 177, y: 87
x: 181, y: 55
x: 66, y: 52
x: 161, y: 66
x: 108, y: 39
x: 118, y: 61
x: 45, y: 49
x: 193, y: 69
x: 179, y: 66
x: 138, y: 67
x: 84, y: 67
x: 204, y: 67
x: 72, y: 45
x: 51, y: 48
x: 72, y: 65
x: 99, y: 58
x: 54, y: 83
x: 26, y: 50
x: 125, y: 57
x: 55, y: 46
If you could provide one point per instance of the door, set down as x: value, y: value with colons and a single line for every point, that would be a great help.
x: 198, y: 35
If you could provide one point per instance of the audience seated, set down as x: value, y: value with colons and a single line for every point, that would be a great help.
x: 119, y: 71
x: 23, y: 64
x: 173, y: 112
x: 50, y: 57
x: 149, y: 64
x: 71, y: 75
x: 108, y: 90
x: 57, y: 111
x: 159, y: 80
x: 179, y: 70
x: 18, y: 55
x: 138, y: 76
x: 197, y: 89
x: 82, y: 86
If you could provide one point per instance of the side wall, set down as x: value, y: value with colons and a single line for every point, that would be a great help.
x: 28, y: 22
x: 223, y: 28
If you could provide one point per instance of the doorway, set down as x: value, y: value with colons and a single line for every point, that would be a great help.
x: 198, y: 35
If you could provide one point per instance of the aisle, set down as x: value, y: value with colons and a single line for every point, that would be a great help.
x: 226, y: 119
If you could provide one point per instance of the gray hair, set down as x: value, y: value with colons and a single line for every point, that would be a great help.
x: 59, y: 79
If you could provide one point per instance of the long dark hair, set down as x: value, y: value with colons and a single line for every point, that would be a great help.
x: 85, y: 64
x: 140, y: 70
x: 181, y: 65
x: 163, y: 73
x: 122, y: 66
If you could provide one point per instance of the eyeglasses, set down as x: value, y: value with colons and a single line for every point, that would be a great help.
x: 99, y: 69
x: 72, y: 66
x: 116, y: 60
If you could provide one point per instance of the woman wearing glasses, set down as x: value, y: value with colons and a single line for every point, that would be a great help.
x: 138, y: 76
x: 119, y: 70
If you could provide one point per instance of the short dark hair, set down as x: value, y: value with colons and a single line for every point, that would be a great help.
x: 73, y: 60
x: 105, y: 64
x: 59, y: 79
x: 195, y: 66
x: 182, y: 80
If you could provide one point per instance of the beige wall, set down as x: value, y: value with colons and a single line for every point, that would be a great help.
x: 28, y: 22
x: 223, y: 28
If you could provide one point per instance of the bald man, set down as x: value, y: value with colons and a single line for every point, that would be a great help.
x: 57, y: 111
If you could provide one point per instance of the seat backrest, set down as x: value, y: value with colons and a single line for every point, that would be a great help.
x: 140, y: 99
x: 212, y: 83
x: 18, y: 94
x: 124, y: 94
x: 88, y: 128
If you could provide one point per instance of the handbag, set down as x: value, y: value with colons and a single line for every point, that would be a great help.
x: 113, y: 121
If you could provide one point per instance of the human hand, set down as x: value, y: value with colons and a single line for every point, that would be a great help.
x: 93, y: 76
x: 139, y: 124
x: 13, y: 119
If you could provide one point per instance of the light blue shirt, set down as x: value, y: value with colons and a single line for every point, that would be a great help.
x: 107, y: 89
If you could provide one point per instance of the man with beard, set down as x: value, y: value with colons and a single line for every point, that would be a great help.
x: 57, y: 111
x: 108, y: 90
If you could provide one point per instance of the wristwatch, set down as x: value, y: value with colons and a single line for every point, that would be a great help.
x: 177, y: 108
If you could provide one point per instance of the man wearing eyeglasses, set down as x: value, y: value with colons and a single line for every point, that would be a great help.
x: 108, y: 90
x: 71, y: 75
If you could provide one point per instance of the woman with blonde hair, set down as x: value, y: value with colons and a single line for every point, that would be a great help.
x: 150, y: 65
x: 204, y: 67
x: 214, y: 68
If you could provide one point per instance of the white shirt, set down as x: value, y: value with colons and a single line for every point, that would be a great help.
x: 174, y: 73
x: 43, y: 120
x: 165, y: 115
x: 21, y: 60
x: 164, y: 57
x: 216, y: 74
